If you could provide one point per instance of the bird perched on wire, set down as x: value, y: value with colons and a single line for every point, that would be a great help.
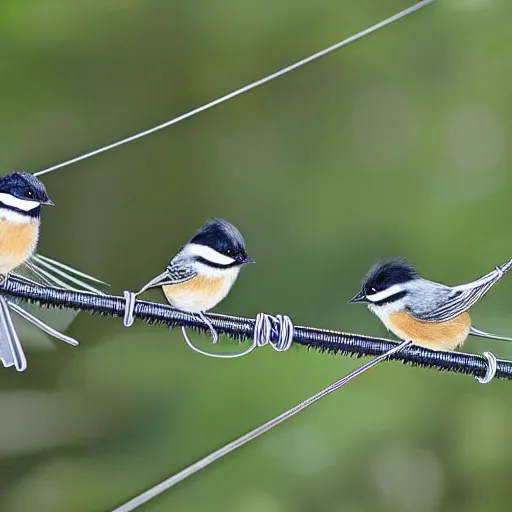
x: 429, y: 314
x: 22, y: 196
x: 201, y: 274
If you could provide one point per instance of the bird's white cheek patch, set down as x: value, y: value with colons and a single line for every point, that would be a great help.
x: 212, y: 272
x: 16, y: 202
x: 208, y: 254
x: 15, y: 217
x: 386, y: 310
x: 385, y: 294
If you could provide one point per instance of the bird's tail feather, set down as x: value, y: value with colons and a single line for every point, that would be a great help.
x: 50, y: 269
x: 483, y: 334
x: 11, y: 351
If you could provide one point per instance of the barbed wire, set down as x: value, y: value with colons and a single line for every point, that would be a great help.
x: 241, y: 329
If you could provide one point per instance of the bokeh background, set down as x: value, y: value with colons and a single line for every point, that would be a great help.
x: 396, y: 144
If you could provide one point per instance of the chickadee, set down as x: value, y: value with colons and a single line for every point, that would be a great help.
x: 203, y: 272
x: 21, y: 197
x: 429, y: 314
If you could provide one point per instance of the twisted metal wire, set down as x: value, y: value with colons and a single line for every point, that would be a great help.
x: 242, y: 329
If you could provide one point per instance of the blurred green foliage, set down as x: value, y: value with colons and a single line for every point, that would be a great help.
x: 397, y: 144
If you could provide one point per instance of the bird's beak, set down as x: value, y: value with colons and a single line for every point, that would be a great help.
x: 48, y: 202
x: 247, y: 259
x: 360, y: 297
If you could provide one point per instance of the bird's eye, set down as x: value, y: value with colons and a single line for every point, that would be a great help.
x: 373, y: 289
x: 229, y: 252
x: 29, y: 194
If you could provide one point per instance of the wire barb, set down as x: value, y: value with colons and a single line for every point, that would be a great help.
x: 416, y: 7
x: 276, y: 331
x: 128, y: 317
x: 492, y: 364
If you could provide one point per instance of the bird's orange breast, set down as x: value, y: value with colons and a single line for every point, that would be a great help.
x: 200, y: 293
x: 434, y: 335
x: 17, y: 243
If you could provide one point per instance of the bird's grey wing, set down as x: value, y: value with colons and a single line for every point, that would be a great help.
x: 175, y: 273
x: 449, y: 302
x: 425, y: 298
x: 11, y: 351
x: 179, y: 273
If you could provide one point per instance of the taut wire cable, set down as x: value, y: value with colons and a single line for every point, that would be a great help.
x: 416, y: 7
x: 160, y: 488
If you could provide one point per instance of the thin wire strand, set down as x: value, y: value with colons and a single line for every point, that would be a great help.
x: 491, y: 368
x: 276, y: 331
x: 242, y: 90
x: 250, y: 436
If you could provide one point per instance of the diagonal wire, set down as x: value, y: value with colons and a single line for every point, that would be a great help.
x: 160, y: 488
x: 253, y: 85
x: 242, y: 329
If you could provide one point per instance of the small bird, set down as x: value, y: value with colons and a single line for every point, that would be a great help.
x: 429, y: 314
x: 21, y: 197
x: 202, y: 272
